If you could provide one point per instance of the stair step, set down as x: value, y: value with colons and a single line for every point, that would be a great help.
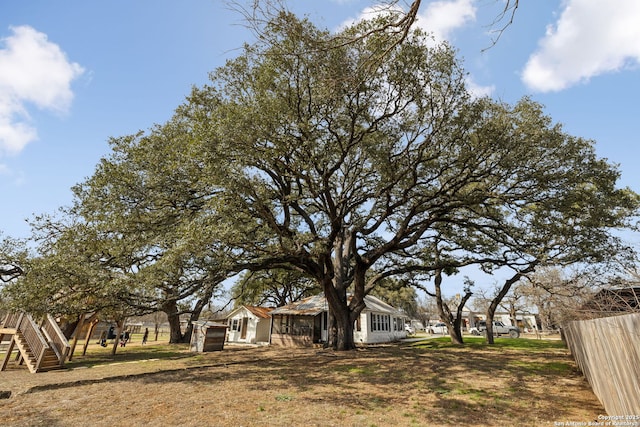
x: 47, y: 361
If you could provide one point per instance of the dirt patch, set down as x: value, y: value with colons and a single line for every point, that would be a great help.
x: 398, y: 385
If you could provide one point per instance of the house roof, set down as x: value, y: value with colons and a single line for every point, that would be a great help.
x: 305, y: 307
x: 375, y: 304
x: 260, y: 312
x: 316, y: 304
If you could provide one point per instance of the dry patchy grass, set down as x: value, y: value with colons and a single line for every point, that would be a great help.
x: 517, y: 382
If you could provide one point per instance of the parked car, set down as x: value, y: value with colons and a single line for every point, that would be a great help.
x: 499, y: 328
x: 409, y: 329
x: 438, y: 328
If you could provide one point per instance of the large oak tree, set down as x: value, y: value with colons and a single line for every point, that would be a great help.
x: 348, y: 162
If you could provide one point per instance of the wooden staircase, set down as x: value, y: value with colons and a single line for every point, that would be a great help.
x: 40, y: 347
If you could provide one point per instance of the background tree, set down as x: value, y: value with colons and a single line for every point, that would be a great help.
x: 14, y: 257
x: 65, y: 277
x: 145, y: 205
x: 427, y: 310
x: 545, y: 289
x: 273, y: 288
x: 14, y: 261
x: 398, y: 293
x: 561, y: 295
x: 449, y: 310
x: 158, y: 211
x: 514, y: 302
x: 555, y: 203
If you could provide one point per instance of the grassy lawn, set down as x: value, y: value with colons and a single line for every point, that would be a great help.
x: 431, y: 382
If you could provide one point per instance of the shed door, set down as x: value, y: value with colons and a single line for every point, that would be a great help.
x: 243, y: 331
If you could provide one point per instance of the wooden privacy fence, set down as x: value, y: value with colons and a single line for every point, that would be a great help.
x: 607, y: 350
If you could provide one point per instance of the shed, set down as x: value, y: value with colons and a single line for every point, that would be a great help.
x: 207, y: 336
x: 249, y: 324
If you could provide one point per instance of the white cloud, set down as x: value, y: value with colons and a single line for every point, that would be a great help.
x: 370, y: 13
x: 33, y: 71
x: 440, y: 18
x: 443, y: 17
x: 592, y: 37
x: 477, y: 90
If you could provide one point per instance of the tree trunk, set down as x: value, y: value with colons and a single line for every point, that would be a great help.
x: 171, y: 309
x: 453, y: 325
x: 344, y: 330
x: 119, y: 331
x: 341, y: 327
x: 491, y: 311
x: 512, y: 315
x: 457, y: 322
x: 87, y: 338
x: 197, y: 311
x: 76, y: 332
x: 489, y: 331
x: 175, y: 334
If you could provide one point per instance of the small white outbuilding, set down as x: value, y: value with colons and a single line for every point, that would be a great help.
x: 249, y: 325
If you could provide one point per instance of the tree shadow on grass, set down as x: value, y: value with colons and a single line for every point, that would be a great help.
x: 432, y: 384
x: 465, y: 386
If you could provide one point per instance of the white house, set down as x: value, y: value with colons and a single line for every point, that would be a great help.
x: 249, y: 324
x: 304, y: 323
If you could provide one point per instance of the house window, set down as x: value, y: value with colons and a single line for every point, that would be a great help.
x: 285, y: 324
x: 235, y: 325
x: 380, y: 322
x: 398, y: 324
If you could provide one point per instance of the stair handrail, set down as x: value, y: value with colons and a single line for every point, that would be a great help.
x: 33, y: 337
x: 12, y: 320
x: 58, y: 341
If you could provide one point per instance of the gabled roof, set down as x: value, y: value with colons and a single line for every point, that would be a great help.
x: 376, y: 304
x: 316, y: 304
x: 260, y: 312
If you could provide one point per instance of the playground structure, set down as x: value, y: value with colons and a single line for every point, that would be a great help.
x: 42, y: 347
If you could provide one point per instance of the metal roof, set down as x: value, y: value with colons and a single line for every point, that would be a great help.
x: 316, y: 304
x: 306, y: 307
x: 262, y: 312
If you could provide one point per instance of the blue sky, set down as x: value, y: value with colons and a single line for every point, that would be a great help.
x: 73, y: 73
